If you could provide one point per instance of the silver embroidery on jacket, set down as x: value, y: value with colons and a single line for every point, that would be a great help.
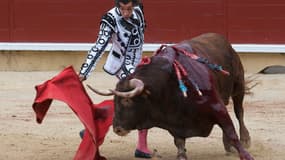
x: 126, y: 36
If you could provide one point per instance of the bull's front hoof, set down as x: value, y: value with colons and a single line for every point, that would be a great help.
x: 140, y: 154
x: 231, y: 151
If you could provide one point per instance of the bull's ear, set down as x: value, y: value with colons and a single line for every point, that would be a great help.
x: 127, y: 102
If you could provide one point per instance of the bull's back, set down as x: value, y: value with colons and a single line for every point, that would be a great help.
x: 214, y: 47
x: 218, y: 50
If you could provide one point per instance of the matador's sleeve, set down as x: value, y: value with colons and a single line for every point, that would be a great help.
x: 107, y: 28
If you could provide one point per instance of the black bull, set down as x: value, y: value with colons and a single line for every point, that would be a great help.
x: 151, y: 97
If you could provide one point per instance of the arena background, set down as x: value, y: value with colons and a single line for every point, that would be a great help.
x: 52, y: 34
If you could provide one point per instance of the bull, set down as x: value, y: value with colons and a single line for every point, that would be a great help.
x: 184, y: 89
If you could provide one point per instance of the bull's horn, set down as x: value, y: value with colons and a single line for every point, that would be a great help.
x: 138, y: 86
x: 102, y: 93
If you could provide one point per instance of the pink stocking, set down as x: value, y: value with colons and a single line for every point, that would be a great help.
x: 142, y: 141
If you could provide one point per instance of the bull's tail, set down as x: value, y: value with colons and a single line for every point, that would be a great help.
x: 250, y: 82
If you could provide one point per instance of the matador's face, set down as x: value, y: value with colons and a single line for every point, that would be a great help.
x: 126, y: 9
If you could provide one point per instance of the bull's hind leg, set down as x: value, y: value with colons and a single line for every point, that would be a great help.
x: 239, y: 112
x: 180, y: 144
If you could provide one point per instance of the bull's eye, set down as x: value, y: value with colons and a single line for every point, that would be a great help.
x: 126, y: 102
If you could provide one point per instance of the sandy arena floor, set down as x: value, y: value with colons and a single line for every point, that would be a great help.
x: 57, y: 137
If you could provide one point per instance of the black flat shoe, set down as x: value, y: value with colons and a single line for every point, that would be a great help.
x: 81, y: 133
x: 140, y: 154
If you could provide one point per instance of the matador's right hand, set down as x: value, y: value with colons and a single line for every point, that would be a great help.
x: 81, y: 77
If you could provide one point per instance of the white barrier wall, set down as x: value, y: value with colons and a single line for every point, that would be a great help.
x: 48, y: 56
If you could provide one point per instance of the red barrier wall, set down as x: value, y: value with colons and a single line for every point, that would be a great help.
x: 168, y: 21
x: 4, y: 20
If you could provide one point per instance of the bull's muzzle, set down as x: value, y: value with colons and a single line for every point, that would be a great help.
x: 120, y: 131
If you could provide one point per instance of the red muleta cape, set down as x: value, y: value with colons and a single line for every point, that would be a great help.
x: 96, y: 118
